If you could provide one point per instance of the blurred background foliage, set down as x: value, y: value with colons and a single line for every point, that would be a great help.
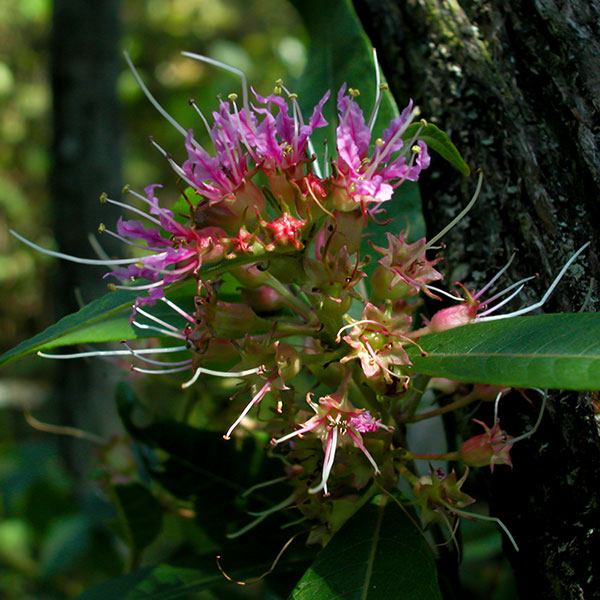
x: 55, y: 539
x: 55, y: 531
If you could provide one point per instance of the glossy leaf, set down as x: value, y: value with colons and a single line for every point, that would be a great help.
x: 438, y: 141
x: 558, y: 351
x: 107, y: 319
x: 339, y: 52
x: 379, y: 554
x: 100, y: 310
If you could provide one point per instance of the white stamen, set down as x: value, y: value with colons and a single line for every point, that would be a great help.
x: 501, y: 304
x: 328, y: 464
x: 444, y: 293
x: 255, y: 400
x: 159, y: 330
x: 82, y: 261
x: 155, y: 319
x: 378, y: 94
x: 495, y: 278
x: 159, y: 371
x: 121, y: 239
x: 152, y: 99
x: 337, y: 337
x: 529, y: 433
x: 226, y: 67
x: 133, y: 209
x: 470, y: 515
x: 227, y: 374
x: 92, y: 353
x: 508, y: 289
x: 545, y: 297
x: 178, y: 310
x: 460, y: 215
x: 136, y: 288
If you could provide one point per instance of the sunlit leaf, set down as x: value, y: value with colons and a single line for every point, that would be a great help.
x: 379, y: 554
x: 559, y: 351
x: 439, y: 141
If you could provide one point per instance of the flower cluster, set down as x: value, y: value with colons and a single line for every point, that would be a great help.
x: 273, y: 243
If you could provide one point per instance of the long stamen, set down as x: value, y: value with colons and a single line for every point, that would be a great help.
x: 529, y: 433
x: 178, y: 310
x: 228, y: 374
x: 93, y: 353
x: 361, y: 322
x: 489, y: 311
x: 155, y: 319
x: 459, y: 217
x: 159, y: 330
x: 545, y: 297
x: 75, y: 259
x: 136, y: 288
x: 226, y: 67
x: 255, y: 400
x: 122, y: 239
x: 103, y: 198
x: 151, y: 98
x: 508, y: 289
x: 495, y: 278
x: 328, y: 462
x: 390, y: 143
x: 378, y: 90
x: 470, y: 515
x: 289, y: 500
x: 159, y: 371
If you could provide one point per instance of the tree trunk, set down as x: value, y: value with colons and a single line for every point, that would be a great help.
x: 516, y: 84
x: 87, y: 162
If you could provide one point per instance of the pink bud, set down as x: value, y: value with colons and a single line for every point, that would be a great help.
x: 489, y: 448
x: 454, y: 316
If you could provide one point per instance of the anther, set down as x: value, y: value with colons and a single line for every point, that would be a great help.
x: 112, y: 287
x: 232, y: 97
x: 379, y: 142
x: 416, y: 149
x: 423, y: 122
x: 101, y: 228
x: 103, y: 197
x: 293, y: 96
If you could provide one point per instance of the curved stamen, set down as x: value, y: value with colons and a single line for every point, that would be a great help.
x: 93, y: 353
x: 545, y: 297
x: 489, y: 311
x: 458, y: 217
x: 227, y: 374
x: 76, y: 259
x: 226, y: 67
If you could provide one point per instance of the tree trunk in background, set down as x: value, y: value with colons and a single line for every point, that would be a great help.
x: 516, y: 84
x: 87, y: 161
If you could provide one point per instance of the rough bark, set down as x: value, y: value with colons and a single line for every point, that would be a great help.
x: 87, y: 161
x: 516, y: 84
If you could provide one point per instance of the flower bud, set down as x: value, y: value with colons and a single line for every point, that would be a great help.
x: 489, y: 448
x: 451, y: 317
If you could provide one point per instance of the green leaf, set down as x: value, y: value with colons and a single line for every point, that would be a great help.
x: 107, y: 319
x: 379, y: 554
x: 339, y: 52
x: 439, y: 141
x: 74, y: 327
x: 559, y: 351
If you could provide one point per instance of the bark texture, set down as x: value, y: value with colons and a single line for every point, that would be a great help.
x: 516, y: 84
